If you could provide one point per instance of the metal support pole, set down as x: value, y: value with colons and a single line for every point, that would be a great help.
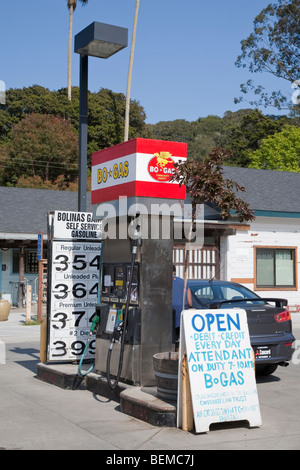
x: 83, y: 133
x: 21, y: 277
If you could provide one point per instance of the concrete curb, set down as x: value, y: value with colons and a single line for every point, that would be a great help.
x: 141, y: 403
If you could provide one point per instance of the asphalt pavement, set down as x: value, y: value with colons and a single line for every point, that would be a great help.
x: 37, y: 415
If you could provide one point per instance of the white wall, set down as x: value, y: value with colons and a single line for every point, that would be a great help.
x: 237, y: 253
x: 10, y: 280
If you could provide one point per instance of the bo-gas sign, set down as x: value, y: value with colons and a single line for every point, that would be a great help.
x: 221, y: 369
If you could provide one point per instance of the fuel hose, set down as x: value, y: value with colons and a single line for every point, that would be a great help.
x: 80, y: 371
x: 94, y: 322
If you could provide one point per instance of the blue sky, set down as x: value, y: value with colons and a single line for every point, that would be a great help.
x: 184, y: 58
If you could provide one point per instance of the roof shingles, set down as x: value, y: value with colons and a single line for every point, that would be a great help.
x: 24, y: 210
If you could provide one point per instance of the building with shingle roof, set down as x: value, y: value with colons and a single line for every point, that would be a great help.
x: 23, y: 211
x: 23, y: 215
x: 263, y: 255
x: 268, y: 191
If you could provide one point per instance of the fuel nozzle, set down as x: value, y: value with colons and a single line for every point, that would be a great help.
x: 118, y: 330
x: 95, y: 322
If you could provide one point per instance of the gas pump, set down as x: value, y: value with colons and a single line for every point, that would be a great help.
x: 119, y: 318
x: 134, y: 327
x: 132, y: 180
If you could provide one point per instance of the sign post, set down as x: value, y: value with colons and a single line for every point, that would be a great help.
x: 220, y: 367
x: 73, y: 283
x: 40, y: 246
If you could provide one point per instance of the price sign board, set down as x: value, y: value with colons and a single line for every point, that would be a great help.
x: 220, y: 365
x: 73, y: 280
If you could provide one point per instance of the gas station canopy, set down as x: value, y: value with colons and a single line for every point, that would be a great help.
x: 137, y: 168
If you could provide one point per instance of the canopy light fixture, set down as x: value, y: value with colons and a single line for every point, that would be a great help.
x: 101, y: 40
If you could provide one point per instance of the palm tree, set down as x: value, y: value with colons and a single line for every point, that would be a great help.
x: 71, y: 6
x: 130, y: 71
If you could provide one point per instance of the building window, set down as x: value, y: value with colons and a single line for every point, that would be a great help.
x: 275, y: 268
x: 30, y: 260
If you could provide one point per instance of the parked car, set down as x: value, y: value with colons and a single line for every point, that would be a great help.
x: 269, y: 320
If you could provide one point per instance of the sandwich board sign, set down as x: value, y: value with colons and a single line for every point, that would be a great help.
x: 220, y: 366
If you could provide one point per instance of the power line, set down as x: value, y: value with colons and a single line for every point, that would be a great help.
x: 39, y: 163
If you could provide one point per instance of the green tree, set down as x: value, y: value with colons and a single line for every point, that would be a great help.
x: 210, y: 132
x: 247, y: 135
x: 273, y: 47
x: 107, y: 119
x: 71, y: 5
x: 280, y: 151
x: 22, y: 101
x: 178, y: 130
x: 106, y: 113
x: 205, y: 184
x: 201, y: 136
x: 42, y: 146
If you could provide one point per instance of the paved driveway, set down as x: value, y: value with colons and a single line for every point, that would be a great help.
x: 38, y: 415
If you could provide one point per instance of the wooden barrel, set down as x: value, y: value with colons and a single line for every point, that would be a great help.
x: 166, y: 374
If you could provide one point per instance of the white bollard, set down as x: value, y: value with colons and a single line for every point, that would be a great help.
x: 2, y: 353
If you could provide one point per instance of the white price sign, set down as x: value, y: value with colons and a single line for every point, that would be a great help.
x: 74, y: 293
x: 76, y: 225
